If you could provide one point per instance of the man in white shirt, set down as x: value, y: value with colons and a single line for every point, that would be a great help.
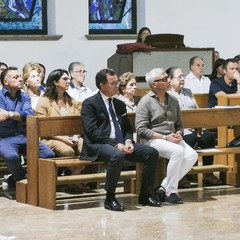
x: 195, y: 80
x: 198, y: 83
x: 76, y: 88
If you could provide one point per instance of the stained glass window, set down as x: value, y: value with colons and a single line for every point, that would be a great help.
x: 23, y: 16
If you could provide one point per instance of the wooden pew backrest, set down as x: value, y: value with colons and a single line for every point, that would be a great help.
x: 229, y: 100
x: 201, y: 99
x: 141, y: 91
x: 38, y: 127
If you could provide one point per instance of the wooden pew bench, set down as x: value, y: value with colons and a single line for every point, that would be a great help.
x: 140, y: 92
x: 210, y: 119
x: 48, y: 179
x: 40, y: 187
x: 230, y: 100
x: 201, y: 99
x: 220, y: 119
x: 50, y: 126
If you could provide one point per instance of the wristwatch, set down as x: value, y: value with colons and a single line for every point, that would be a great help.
x: 10, y: 114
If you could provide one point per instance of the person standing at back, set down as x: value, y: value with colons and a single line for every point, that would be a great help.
x: 77, y: 89
x: 195, y: 80
x: 142, y: 34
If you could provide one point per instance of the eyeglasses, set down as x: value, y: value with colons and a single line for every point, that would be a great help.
x: 162, y: 80
x: 180, y: 77
x: 81, y: 72
x: 115, y: 83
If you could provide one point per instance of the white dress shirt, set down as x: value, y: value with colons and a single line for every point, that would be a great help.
x: 197, y: 85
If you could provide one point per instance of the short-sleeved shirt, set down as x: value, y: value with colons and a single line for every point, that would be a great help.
x: 197, y: 85
x: 218, y: 85
x: 79, y: 94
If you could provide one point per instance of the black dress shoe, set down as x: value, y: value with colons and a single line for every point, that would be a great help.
x: 160, y: 195
x: 149, y: 202
x: 113, y: 205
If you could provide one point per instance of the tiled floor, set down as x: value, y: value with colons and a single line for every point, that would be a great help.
x: 212, y: 213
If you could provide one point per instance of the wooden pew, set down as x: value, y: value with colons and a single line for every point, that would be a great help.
x: 219, y: 118
x: 229, y: 100
x: 42, y: 173
x: 211, y: 119
x: 40, y: 187
x: 141, y: 91
x: 201, y: 99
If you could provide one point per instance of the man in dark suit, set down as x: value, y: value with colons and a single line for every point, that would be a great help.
x: 109, y: 137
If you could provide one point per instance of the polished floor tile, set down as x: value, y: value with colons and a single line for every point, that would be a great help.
x: 211, y: 213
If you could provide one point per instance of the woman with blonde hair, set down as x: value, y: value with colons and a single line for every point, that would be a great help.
x: 127, y: 91
x: 32, y: 82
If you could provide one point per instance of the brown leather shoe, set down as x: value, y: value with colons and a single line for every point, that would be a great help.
x: 184, y: 183
x: 211, y: 180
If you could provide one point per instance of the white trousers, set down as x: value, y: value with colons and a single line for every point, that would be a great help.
x: 181, y: 159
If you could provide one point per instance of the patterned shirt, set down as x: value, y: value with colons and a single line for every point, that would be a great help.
x: 79, y: 94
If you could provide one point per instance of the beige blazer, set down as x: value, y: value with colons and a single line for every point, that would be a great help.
x: 46, y: 107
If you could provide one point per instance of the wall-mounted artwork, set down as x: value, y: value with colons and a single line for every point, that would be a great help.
x: 23, y: 16
x: 112, y: 16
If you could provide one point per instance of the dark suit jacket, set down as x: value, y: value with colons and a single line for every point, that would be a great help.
x: 96, y: 123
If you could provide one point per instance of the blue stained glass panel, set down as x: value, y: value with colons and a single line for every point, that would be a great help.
x: 112, y: 16
x: 23, y: 16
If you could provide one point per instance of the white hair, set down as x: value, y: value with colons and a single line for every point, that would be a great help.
x: 152, y: 75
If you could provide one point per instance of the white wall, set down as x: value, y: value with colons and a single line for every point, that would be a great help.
x: 204, y: 23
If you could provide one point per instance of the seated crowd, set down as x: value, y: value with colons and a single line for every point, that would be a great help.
x: 108, y: 133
